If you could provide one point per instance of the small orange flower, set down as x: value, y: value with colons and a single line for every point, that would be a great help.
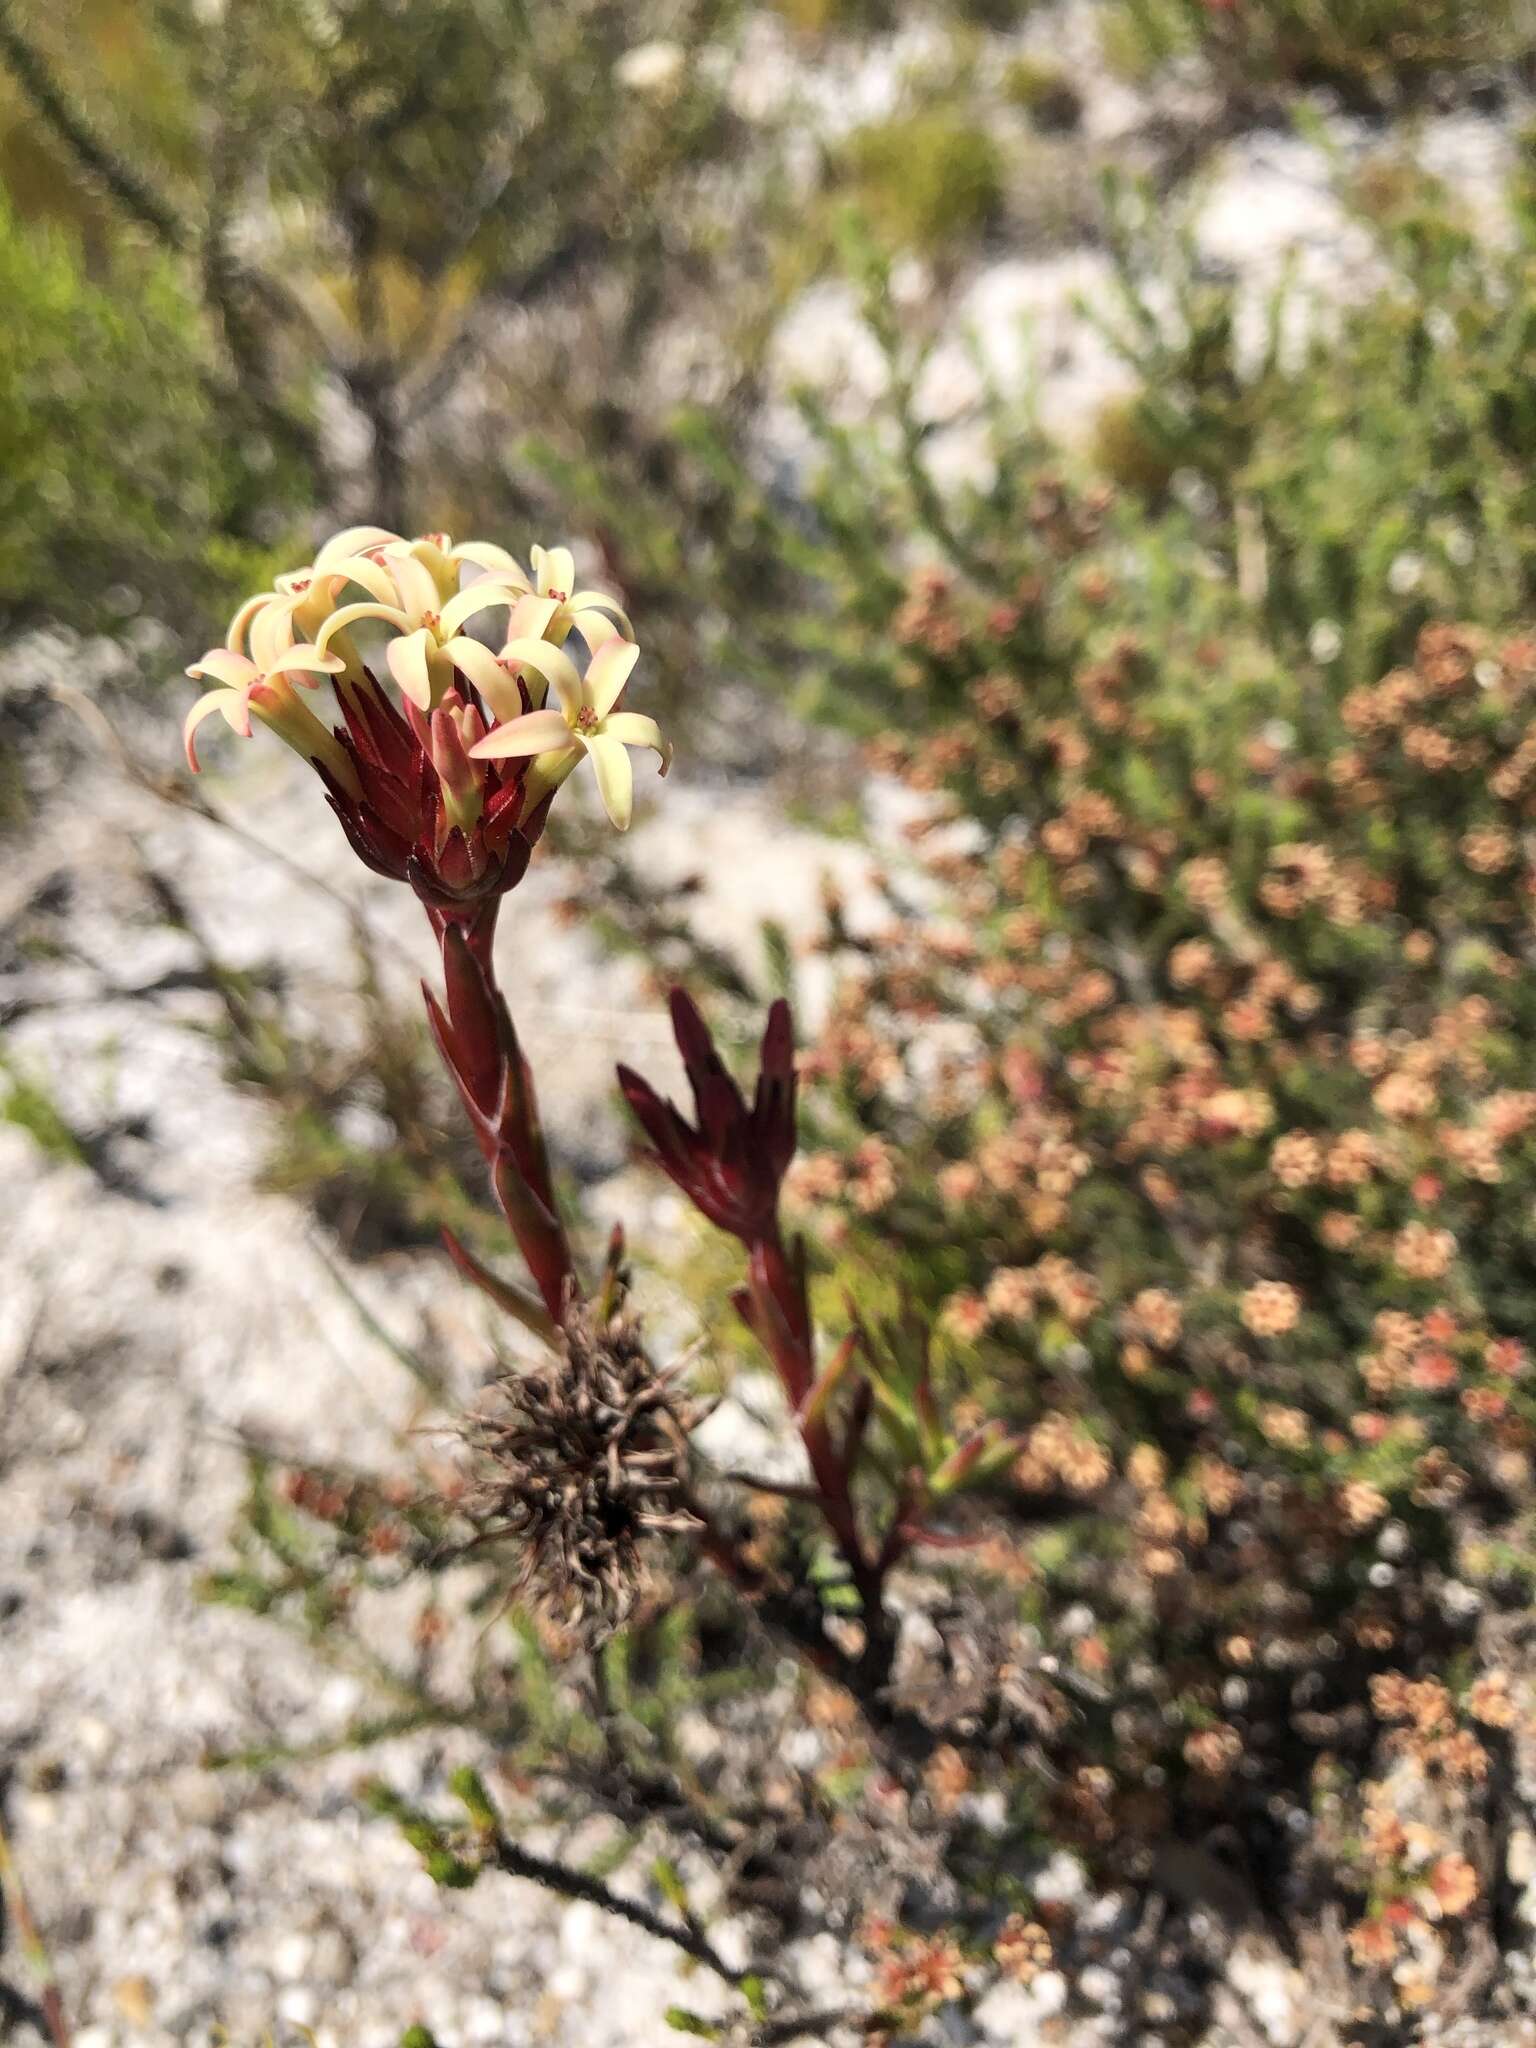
x: 1022, y: 1949
x: 1270, y: 1308
x: 1452, y: 1886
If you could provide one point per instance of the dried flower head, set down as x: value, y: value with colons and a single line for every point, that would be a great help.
x: 577, y: 1463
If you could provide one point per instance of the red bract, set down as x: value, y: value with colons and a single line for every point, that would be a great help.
x: 457, y: 831
x: 731, y: 1164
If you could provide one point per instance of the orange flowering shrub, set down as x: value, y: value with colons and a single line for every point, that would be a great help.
x: 1205, y: 1053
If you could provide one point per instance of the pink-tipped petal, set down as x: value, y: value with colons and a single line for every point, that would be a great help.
x: 352, y: 540
x: 535, y: 732
x: 306, y: 665
x: 236, y: 713
x: 235, y: 671
x: 372, y: 576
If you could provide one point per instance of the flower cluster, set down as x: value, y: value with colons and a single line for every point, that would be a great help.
x: 448, y: 787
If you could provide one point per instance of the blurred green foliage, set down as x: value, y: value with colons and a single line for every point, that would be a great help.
x: 120, y: 484
x: 927, y: 179
x: 1373, y: 54
x: 1045, y: 91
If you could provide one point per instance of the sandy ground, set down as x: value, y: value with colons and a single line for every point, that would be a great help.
x: 154, y: 1308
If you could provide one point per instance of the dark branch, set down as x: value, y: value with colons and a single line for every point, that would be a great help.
x: 575, y: 1884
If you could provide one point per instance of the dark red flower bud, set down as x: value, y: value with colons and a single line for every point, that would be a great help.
x: 732, y: 1163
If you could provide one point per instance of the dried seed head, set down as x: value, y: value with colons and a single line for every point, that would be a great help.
x: 576, y: 1464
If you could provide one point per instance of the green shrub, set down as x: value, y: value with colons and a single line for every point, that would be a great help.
x: 117, y: 466
x: 1372, y: 53
x: 926, y: 180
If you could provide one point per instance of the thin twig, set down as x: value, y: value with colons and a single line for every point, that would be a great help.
x: 815, y: 2026
x: 575, y: 1884
x: 33, y: 1947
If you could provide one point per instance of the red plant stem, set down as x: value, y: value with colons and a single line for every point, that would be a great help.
x: 495, y: 1083
x: 779, y: 1299
x: 783, y: 1324
x: 478, y: 927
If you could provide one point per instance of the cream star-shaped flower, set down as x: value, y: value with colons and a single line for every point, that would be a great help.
x: 414, y: 589
x: 244, y: 687
x: 586, y: 722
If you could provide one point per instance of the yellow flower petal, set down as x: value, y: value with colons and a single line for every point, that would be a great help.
x: 350, y: 613
x: 443, y: 572
x: 415, y: 582
x: 482, y: 668
x: 272, y: 632
x: 535, y: 732
x: 596, y: 628
x: 235, y: 637
x: 373, y: 577
x: 410, y: 663
x: 482, y: 554
x: 483, y: 596
x: 554, y: 666
x: 607, y: 673
x: 600, y: 601
x: 530, y: 618
x: 615, y: 778
x: 555, y: 569
x: 352, y: 540
x: 631, y: 729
